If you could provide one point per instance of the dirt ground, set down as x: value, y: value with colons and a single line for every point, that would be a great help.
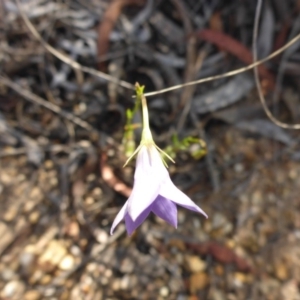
x: 62, y: 150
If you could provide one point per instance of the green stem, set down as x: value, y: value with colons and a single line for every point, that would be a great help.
x: 146, y: 135
x: 145, y: 113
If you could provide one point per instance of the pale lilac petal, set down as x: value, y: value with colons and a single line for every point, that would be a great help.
x: 132, y: 225
x: 170, y: 191
x: 120, y: 216
x: 166, y: 210
x: 144, y: 192
x: 149, y: 163
x: 143, y: 164
x: 146, y: 185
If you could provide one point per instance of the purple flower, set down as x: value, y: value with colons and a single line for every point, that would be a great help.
x: 153, y: 191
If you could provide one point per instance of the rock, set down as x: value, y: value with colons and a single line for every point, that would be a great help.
x: 218, y: 220
x: 257, y: 198
x: 269, y: 287
x: 92, y: 267
x: 116, y: 284
x: 177, y: 243
x: 7, y: 274
x: 217, y: 295
x: 175, y: 284
x: 53, y: 255
x: 247, y: 239
x: 220, y: 225
x: 46, y: 279
x: 198, y: 281
x: 164, y: 291
x: 239, y: 279
x: 73, y: 229
x: 86, y: 284
x: 5, y: 178
x: 104, y: 281
x: 98, y: 295
x: 125, y: 282
x: 48, y: 164
x: 65, y: 295
x: 97, y: 192
x: 67, y: 263
x: 36, y: 193
x: 101, y: 236
x: 127, y: 265
x: 290, y: 291
x: 75, y: 250
x: 7, y: 236
x: 32, y: 295
x: 27, y: 260
x: 49, y: 292
x: 10, y: 214
x: 195, y: 264
x: 34, y: 217
x: 37, y: 275
x: 13, y: 290
x: 281, y: 271
x: 108, y: 273
x: 219, y: 270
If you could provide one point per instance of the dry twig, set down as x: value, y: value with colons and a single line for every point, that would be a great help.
x: 228, y: 74
x: 66, y: 59
x: 40, y: 101
x: 258, y: 85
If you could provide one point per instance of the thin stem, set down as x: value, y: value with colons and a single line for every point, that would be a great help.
x: 146, y: 135
x: 145, y: 113
x: 231, y: 73
x: 257, y: 82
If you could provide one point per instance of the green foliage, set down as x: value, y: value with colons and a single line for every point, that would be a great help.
x: 191, y: 145
x: 128, y: 138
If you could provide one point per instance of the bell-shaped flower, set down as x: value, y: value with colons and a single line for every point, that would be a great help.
x: 153, y: 189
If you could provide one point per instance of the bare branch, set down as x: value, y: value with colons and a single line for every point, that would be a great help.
x: 40, y: 101
x: 257, y: 82
x: 228, y: 74
x: 66, y: 59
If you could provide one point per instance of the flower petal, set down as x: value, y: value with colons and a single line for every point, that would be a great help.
x: 144, y: 192
x: 120, y: 216
x: 132, y: 225
x: 170, y: 191
x: 147, y: 180
x: 165, y: 209
x: 150, y: 162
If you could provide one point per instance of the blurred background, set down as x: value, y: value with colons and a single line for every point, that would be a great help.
x: 62, y: 149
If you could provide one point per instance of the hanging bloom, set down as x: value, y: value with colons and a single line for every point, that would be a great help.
x: 153, y: 189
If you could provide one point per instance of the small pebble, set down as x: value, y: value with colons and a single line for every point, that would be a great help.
x: 46, y: 279
x: 10, y: 214
x: 13, y: 289
x: 7, y: 274
x: 67, y: 263
x: 281, y: 271
x: 125, y: 281
x: 49, y: 292
x: 164, y: 291
x: 198, y: 281
x: 32, y: 295
x: 195, y: 264
x: 34, y: 217
x: 127, y: 265
x: 48, y: 164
